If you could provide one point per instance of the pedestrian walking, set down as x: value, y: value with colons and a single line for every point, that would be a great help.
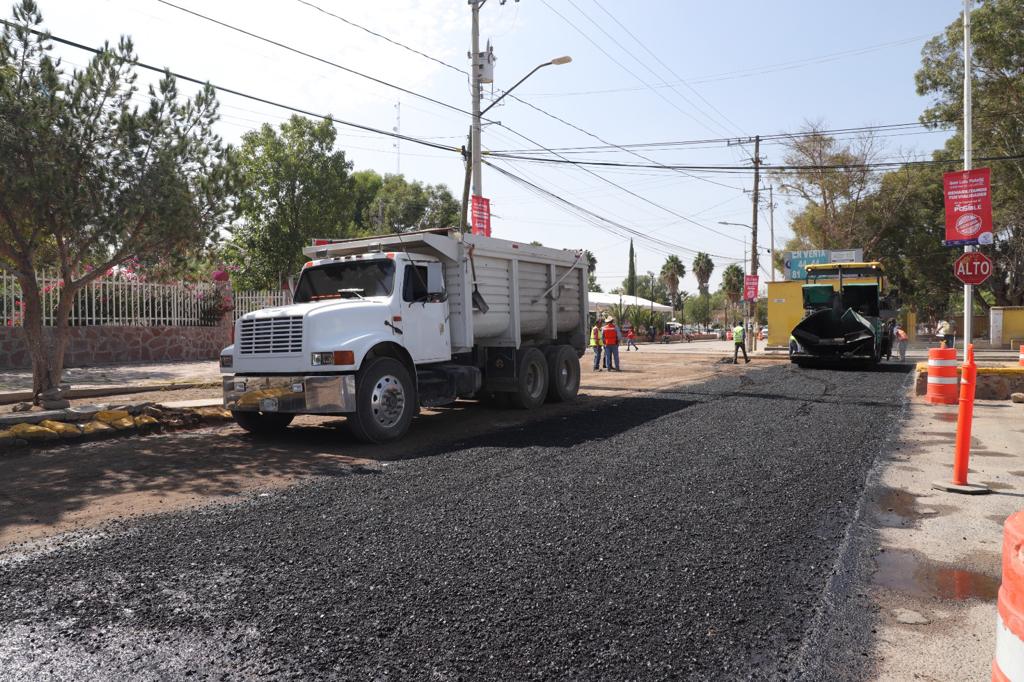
x: 597, y: 343
x: 631, y: 339
x: 738, y: 345
x: 902, y: 339
x: 611, y: 335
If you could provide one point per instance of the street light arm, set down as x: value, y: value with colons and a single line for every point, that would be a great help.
x: 556, y: 61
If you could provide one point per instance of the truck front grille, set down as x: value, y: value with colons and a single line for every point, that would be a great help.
x: 270, y: 335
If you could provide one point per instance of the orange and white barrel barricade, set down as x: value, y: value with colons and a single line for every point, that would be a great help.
x: 943, y: 381
x: 1021, y: 356
x: 1008, y: 665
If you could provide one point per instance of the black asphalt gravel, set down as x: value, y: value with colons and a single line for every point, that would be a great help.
x: 684, y: 535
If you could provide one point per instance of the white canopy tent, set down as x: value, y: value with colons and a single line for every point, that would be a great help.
x: 599, y: 301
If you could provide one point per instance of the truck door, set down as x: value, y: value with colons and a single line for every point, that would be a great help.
x: 425, y: 313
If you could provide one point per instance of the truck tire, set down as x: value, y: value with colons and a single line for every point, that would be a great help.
x: 563, y: 373
x: 532, y: 380
x: 262, y: 423
x: 385, y: 401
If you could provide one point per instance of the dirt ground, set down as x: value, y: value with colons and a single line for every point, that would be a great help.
x: 76, y: 487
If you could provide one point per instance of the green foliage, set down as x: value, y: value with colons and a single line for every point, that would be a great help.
x: 997, y: 37
x: 88, y: 177
x: 697, y: 310
x: 702, y: 268
x: 293, y: 186
x: 400, y: 206
x: 593, y: 284
x: 650, y: 287
x: 365, y: 186
x: 732, y: 282
x: 672, y: 271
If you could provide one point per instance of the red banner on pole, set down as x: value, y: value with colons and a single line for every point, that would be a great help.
x: 481, y: 216
x: 749, y: 287
x: 968, y: 207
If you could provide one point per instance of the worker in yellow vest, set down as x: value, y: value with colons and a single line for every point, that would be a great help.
x: 737, y: 342
x: 597, y: 342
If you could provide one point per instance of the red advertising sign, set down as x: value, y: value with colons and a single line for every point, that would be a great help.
x: 749, y: 287
x: 968, y: 207
x: 973, y: 268
x: 481, y: 216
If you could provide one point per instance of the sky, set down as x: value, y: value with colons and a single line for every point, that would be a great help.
x: 641, y: 72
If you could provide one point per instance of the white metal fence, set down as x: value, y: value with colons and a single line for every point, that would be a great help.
x: 248, y: 301
x: 108, y: 302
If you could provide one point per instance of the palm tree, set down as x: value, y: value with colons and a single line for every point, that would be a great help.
x: 671, y: 272
x: 702, y: 269
x: 591, y: 260
x: 732, y: 283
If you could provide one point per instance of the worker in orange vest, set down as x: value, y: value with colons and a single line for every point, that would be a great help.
x: 611, y: 337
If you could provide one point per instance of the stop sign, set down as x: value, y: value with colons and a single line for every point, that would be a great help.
x: 973, y: 268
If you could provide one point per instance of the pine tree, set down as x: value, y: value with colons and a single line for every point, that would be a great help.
x: 631, y: 278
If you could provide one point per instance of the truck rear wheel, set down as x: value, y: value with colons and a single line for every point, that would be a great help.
x: 563, y: 374
x: 385, y: 401
x: 262, y: 423
x: 532, y: 380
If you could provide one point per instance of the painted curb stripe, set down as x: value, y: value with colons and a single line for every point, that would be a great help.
x: 1009, y: 652
x: 943, y: 380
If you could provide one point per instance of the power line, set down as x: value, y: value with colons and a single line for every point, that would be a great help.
x: 238, y: 93
x: 748, y: 169
x: 308, y: 55
x: 623, y: 66
x: 667, y: 67
x: 747, y: 73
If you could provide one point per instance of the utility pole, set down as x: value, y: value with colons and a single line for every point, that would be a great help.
x: 752, y: 305
x: 477, y: 61
x: 771, y: 224
x: 968, y: 164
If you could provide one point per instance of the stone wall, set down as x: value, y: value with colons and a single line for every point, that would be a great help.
x: 105, y: 345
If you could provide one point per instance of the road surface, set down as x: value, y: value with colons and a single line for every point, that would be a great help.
x: 680, y: 534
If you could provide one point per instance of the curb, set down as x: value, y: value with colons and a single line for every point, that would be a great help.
x: 11, y: 397
x: 100, y: 422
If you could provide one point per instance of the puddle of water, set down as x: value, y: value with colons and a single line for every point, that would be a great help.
x: 896, y: 508
x: 902, y: 571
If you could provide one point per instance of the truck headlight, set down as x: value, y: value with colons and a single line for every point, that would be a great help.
x: 337, y: 357
x: 227, y: 361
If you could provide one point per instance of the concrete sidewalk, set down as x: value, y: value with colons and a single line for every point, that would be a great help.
x: 938, y: 555
x: 109, y: 376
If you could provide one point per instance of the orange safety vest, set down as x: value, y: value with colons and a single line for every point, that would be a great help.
x: 611, y: 336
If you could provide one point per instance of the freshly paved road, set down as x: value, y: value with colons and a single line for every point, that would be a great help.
x: 684, y: 535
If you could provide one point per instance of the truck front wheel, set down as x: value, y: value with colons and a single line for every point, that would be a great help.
x: 531, y: 381
x: 385, y: 401
x: 262, y: 423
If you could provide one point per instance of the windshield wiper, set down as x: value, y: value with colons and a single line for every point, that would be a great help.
x: 357, y: 292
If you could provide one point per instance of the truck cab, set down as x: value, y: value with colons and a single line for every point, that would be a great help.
x: 379, y: 328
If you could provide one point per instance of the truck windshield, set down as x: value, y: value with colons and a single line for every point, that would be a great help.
x: 350, y: 279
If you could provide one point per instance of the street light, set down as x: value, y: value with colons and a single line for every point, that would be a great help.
x: 557, y: 61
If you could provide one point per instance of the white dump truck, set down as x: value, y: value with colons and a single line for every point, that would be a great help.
x: 384, y: 325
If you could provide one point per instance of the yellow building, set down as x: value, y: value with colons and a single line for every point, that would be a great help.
x: 1006, y: 326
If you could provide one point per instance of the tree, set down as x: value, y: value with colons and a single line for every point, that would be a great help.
x: 88, y: 178
x: 671, y: 272
x: 997, y: 90
x: 703, y: 266
x: 732, y: 283
x: 631, y: 272
x: 698, y: 310
x: 591, y: 261
x: 293, y: 186
x: 400, y: 206
x: 365, y: 185
x: 832, y: 216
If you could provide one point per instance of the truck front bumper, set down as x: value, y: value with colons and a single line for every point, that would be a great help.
x: 324, y: 394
